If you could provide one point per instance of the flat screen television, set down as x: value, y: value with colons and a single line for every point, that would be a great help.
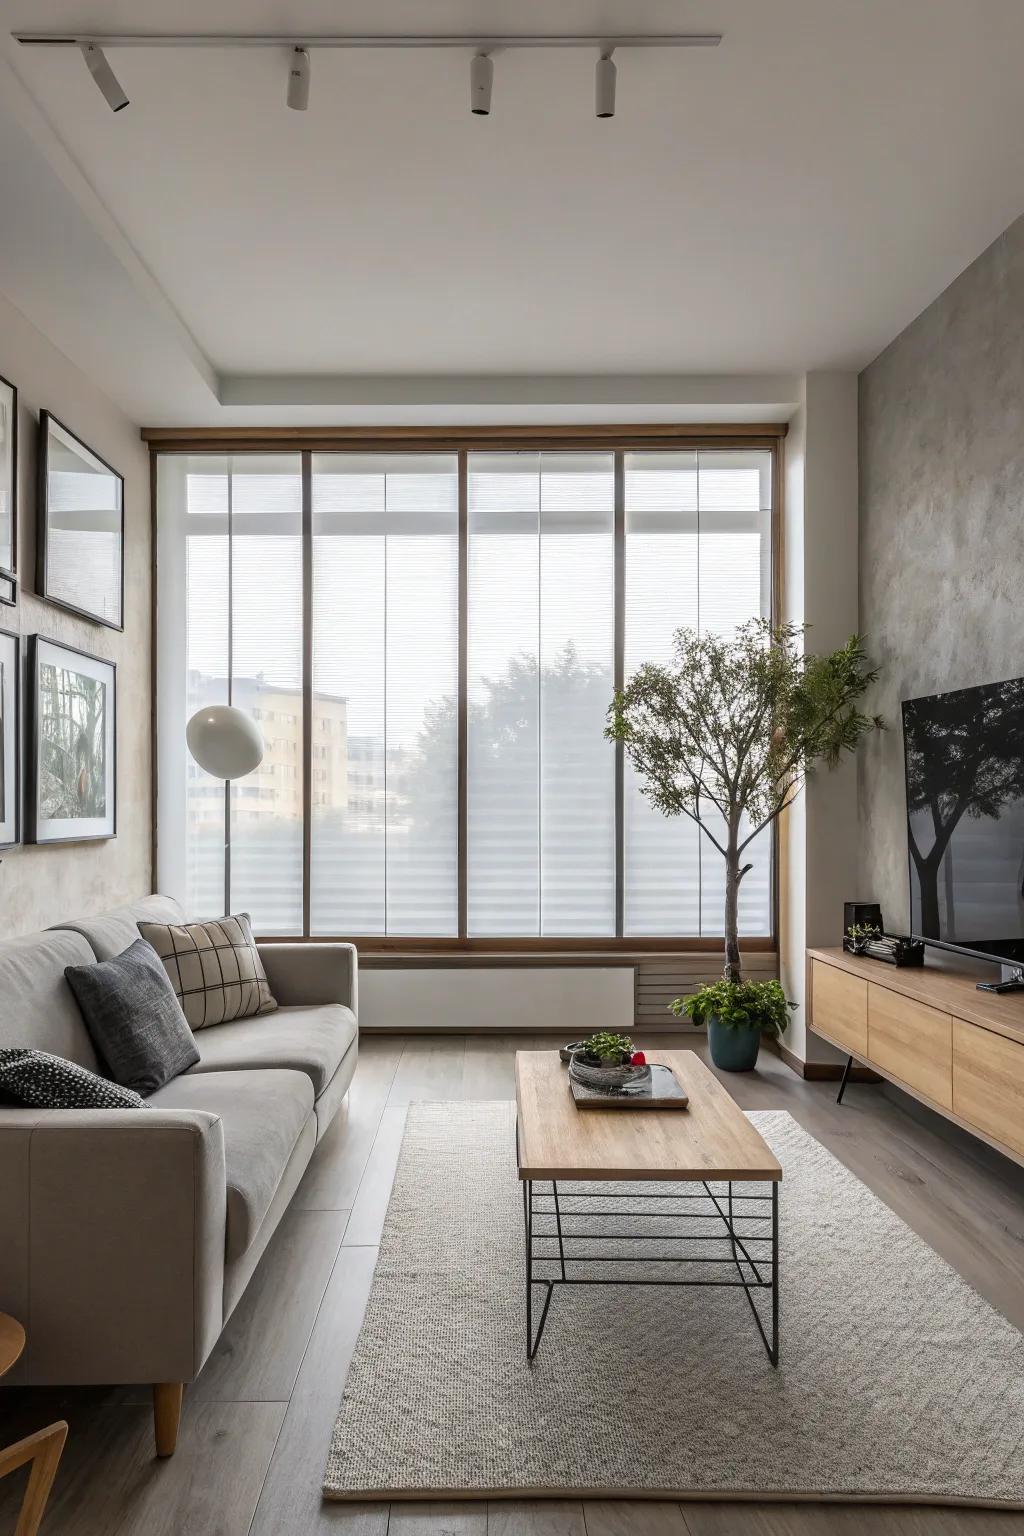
x: 964, y: 754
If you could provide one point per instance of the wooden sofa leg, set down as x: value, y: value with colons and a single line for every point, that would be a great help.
x: 166, y: 1415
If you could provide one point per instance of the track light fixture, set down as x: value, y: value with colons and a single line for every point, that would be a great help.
x: 298, y: 80
x: 604, y: 86
x: 481, y: 69
x: 481, y: 78
x: 96, y: 63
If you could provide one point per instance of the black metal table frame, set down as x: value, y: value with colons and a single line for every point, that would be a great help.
x: 755, y: 1273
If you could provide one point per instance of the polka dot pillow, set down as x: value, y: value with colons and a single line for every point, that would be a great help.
x: 42, y: 1081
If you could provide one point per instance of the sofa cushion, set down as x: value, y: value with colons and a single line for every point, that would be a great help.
x: 110, y: 933
x: 36, y: 1004
x: 214, y: 968
x: 43, y: 1081
x: 263, y: 1114
x: 311, y: 1040
x: 133, y: 1018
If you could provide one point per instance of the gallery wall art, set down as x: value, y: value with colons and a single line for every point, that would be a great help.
x: 73, y: 744
x: 10, y: 738
x: 80, y: 545
x: 8, y: 491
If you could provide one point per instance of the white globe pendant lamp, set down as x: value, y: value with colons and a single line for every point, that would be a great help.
x: 224, y: 741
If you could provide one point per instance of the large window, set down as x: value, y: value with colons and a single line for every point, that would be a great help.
x: 429, y: 642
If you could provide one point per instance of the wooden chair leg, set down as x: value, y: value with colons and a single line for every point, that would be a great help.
x: 166, y: 1415
x: 43, y: 1450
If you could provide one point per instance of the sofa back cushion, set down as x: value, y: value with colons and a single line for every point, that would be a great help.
x: 37, y: 1008
x: 111, y: 933
x: 133, y: 1018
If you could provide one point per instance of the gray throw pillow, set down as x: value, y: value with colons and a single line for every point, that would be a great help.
x: 133, y: 1018
x: 43, y: 1081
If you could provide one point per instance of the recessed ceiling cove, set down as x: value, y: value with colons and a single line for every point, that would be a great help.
x: 787, y: 200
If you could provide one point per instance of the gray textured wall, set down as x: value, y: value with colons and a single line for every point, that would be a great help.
x: 39, y: 886
x: 941, y: 525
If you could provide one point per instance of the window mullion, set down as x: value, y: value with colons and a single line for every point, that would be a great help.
x: 463, y: 699
x: 307, y: 688
x: 619, y: 679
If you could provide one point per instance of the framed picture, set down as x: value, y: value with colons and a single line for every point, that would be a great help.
x: 8, y: 489
x: 80, y: 544
x: 10, y: 738
x: 73, y: 744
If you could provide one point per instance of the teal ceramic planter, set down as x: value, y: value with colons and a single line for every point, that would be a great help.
x: 734, y: 1050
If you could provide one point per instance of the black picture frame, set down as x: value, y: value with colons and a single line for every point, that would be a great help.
x: 10, y: 738
x: 46, y: 582
x: 9, y: 487
x: 66, y: 828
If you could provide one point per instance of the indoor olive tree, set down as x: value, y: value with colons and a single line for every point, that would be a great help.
x: 728, y: 731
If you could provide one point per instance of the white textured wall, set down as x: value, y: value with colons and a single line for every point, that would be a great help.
x: 819, y: 843
x: 39, y: 886
x: 574, y: 999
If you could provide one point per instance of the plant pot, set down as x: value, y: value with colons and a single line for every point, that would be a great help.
x: 734, y: 1050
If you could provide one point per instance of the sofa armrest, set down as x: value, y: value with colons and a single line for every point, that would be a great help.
x: 112, y: 1229
x: 312, y: 973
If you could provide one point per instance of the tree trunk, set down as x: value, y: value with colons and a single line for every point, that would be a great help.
x: 733, y: 876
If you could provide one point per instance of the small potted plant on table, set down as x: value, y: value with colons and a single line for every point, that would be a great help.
x: 726, y: 736
x: 607, y: 1061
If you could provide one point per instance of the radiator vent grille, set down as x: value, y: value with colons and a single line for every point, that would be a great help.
x: 661, y: 978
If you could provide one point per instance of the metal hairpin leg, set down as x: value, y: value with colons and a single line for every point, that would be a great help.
x: 846, y: 1079
x: 532, y: 1342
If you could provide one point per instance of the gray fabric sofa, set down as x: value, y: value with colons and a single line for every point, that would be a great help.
x: 128, y: 1236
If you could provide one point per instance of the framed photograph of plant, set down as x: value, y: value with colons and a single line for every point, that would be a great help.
x: 10, y: 739
x: 73, y: 744
x: 80, y: 542
x: 8, y: 490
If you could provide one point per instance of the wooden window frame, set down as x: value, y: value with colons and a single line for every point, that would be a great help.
x: 305, y: 441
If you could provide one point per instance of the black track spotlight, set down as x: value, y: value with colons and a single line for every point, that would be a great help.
x: 604, y: 86
x: 298, y: 80
x: 481, y: 77
x: 96, y: 63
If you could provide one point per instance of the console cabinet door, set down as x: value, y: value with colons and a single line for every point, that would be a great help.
x: 988, y: 1083
x: 912, y: 1042
x: 840, y: 1004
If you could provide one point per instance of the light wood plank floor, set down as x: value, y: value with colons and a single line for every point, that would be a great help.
x: 256, y: 1425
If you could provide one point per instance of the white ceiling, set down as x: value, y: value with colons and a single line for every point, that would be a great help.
x: 785, y: 202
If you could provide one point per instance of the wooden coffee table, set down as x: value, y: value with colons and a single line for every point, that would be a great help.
x: 710, y: 1143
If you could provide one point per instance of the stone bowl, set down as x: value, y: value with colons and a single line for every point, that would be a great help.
x: 606, y: 1079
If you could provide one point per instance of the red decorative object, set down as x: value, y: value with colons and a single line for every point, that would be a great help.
x: 638, y: 1059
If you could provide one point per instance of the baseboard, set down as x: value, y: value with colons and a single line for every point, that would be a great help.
x: 819, y: 1071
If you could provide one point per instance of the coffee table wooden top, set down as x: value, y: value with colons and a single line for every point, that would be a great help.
x: 713, y: 1139
x: 12, y: 1341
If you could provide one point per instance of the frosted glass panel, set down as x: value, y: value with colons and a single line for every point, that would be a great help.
x: 266, y: 669
x: 541, y: 777
x: 385, y: 683
x: 698, y: 555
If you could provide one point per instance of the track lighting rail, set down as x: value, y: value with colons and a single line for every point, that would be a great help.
x: 482, y: 41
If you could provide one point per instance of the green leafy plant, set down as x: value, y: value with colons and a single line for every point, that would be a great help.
x: 739, y: 1005
x: 860, y: 933
x: 610, y: 1050
x: 728, y: 732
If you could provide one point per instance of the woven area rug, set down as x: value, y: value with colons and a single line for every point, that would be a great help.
x: 896, y: 1379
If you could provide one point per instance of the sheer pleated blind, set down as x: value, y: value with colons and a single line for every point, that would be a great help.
x: 538, y: 848
x: 541, y: 824
x: 385, y: 679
